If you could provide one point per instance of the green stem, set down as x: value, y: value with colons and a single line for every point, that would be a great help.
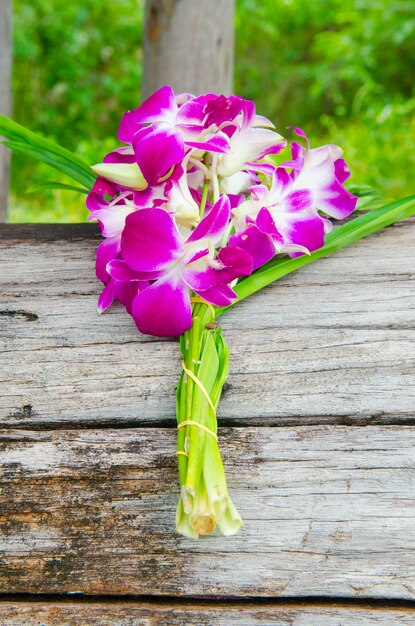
x: 204, y: 501
x: 205, y: 191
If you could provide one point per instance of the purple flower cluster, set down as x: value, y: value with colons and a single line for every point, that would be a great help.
x: 194, y: 201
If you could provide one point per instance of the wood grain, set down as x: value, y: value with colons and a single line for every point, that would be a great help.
x: 146, y: 614
x: 188, y: 44
x: 327, y: 510
x: 333, y: 342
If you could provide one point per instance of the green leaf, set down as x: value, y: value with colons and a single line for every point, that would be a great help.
x: 55, y: 161
x: 24, y: 141
x: 344, y: 235
x: 368, y: 197
x: 55, y: 185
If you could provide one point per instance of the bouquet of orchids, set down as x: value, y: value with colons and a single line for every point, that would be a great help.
x: 202, y: 206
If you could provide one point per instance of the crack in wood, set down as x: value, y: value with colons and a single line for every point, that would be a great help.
x: 28, y: 316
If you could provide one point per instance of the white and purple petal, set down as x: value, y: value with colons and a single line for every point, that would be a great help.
x: 125, y: 292
x: 234, y: 263
x: 164, y: 308
x: 112, y: 218
x: 341, y: 170
x: 214, y: 224
x: 257, y: 244
x: 335, y: 200
x: 215, y: 143
x: 219, y: 295
x: 107, y: 296
x: 157, y: 151
x: 120, y: 155
x: 121, y: 272
x: 107, y: 250
x: 159, y: 107
x: 301, y: 229
x: 95, y: 200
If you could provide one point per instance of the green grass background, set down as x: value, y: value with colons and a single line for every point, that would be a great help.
x: 342, y: 71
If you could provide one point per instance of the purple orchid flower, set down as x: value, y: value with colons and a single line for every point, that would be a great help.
x: 284, y: 217
x: 153, y: 249
x: 124, y: 292
x: 251, y: 138
x: 277, y: 219
x: 183, y: 154
x: 110, y: 205
x: 323, y: 172
x: 160, y: 130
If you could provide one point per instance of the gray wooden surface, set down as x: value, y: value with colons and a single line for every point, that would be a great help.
x: 332, y: 343
x: 318, y: 437
x: 328, y: 510
x: 188, y: 44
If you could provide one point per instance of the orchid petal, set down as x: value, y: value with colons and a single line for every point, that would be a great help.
x: 126, y: 174
x: 335, y: 200
x: 341, y: 170
x: 150, y: 240
x: 191, y: 113
x: 214, y: 224
x: 217, y: 143
x: 159, y: 107
x: 125, y: 292
x: 235, y: 262
x: 300, y: 133
x: 304, y: 230
x: 298, y: 200
x: 247, y: 145
x: 121, y: 272
x: 266, y: 224
x: 106, y: 297
x: 195, y: 256
x: 297, y: 160
x: 257, y: 244
x: 237, y: 183
x: 262, y: 168
x: 219, y: 295
x: 180, y: 200
x: 112, y: 218
x: 199, y: 275
x: 102, y: 186
x: 107, y: 250
x: 120, y: 155
x: 163, y: 309
x: 157, y: 151
x: 260, y: 121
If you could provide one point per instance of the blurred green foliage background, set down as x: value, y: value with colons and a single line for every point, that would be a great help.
x: 342, y: 71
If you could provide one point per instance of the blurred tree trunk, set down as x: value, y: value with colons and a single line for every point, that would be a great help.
x: 5, y: 97
x: 188, y: 44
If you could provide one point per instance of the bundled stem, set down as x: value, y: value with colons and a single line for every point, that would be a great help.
x: 204, y: 501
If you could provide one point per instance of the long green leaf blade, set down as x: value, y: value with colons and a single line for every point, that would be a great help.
x: 16, y: 132
x: 59, y: 163
x: 55, y: 185
x: 342, y: 236
x: 26, y: 142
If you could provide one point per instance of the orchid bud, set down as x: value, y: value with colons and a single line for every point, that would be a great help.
x: 126, y: 174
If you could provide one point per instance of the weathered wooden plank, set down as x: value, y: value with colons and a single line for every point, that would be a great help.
x: 147, y: 614
x: 332, y: 342
x: 328, y: 510
x: 188, y: 44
